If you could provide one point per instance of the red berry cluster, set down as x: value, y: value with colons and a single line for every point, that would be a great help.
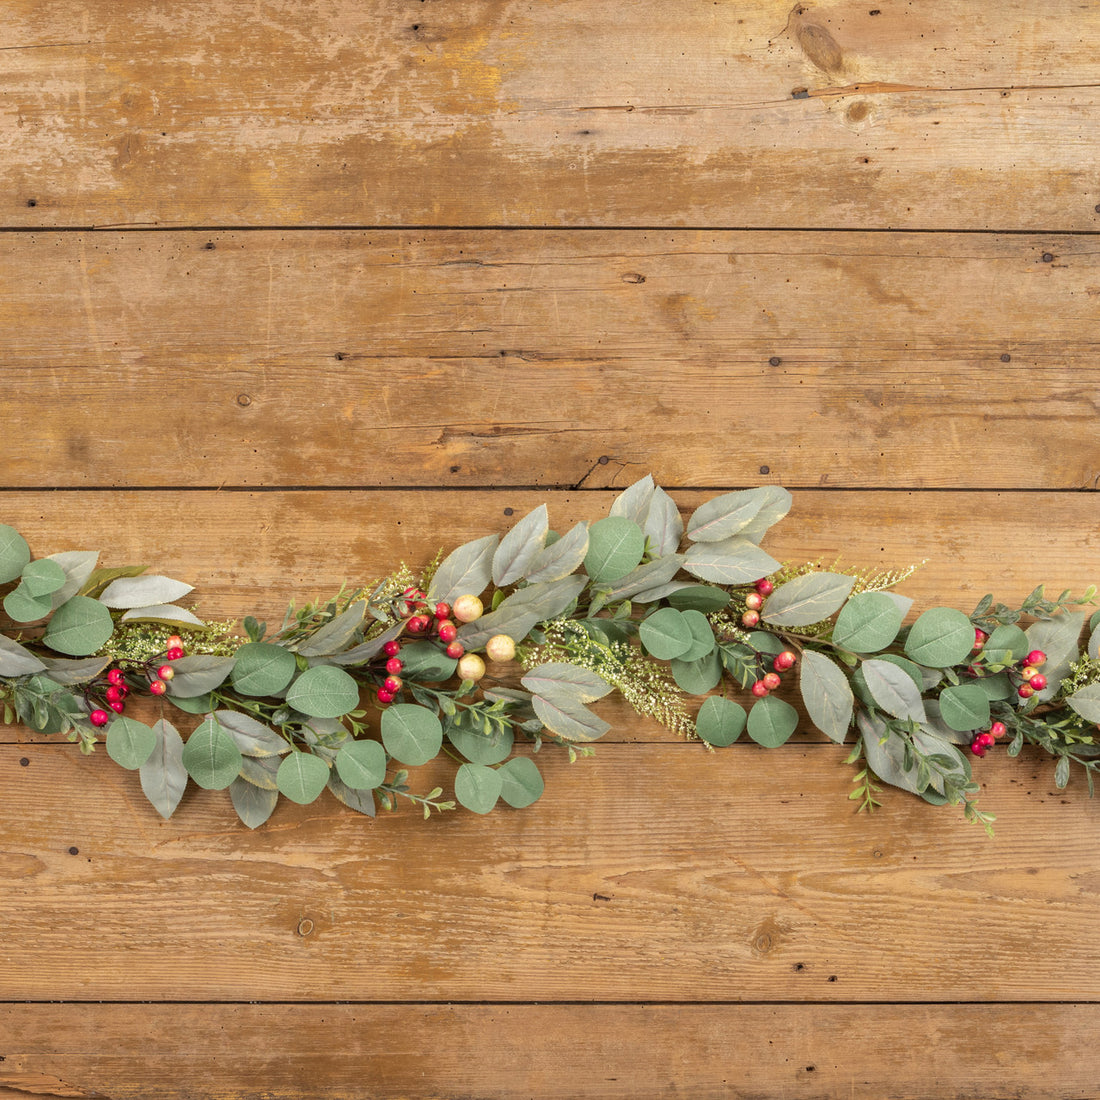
x: 754, y: 601
x: 984, y: 741
x: 1031, y: 679
x: 771, y: 680
x: 422, y: 621
x: 111, y: 690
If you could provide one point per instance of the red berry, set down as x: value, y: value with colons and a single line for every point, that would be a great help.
x: 392, y: 684
x: 765, y: 586
x: 124, y: 689
x: 447, y: 631
x: 113, y: 694
x: 750, y: 618
x: 418, y: 624
x: 1036, y: 657
x: 784, y: 661
x: 166, y: 672
x: 998, y: 729
x: 986, y: 739
x: 99, y: 718
x: 384, y: 696
x: 759, y: 689
x: 977, y: 747
x: 394, y: 665
x: 754, y: 601
x: 1025, y: 691
x: 442, y: 610
x: 158, y: 687
x: 174, y: 642
x: 1038, y: 681
x: 1028, y: 672
x: 115, y: 676
x: 455, y: 650
x: 980, y: 638
x: 118, y: 706
x: 175, y: 653
x: 771, y: 681
x: 391, y: 649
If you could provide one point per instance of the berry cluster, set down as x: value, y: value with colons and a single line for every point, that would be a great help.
x: 1028, y: 681
x: 771, y: 680
x: 754, y: 601
x: 984, y: 741
x: 111, y: 691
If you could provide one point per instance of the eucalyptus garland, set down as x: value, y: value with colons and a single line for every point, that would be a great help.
x: 511, y: 638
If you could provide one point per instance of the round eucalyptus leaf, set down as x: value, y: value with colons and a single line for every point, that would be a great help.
x: 79, y: 627
x: 867, y: 623
x: 772, y: 721
x: 263, y: 669
x: 22, y: 607
x: 720, y: 721
x: 211, y: 758
x: 615, y: 547
x: 43, y: 578
x: 324, y: 691
x: 665, y: 634
x: 14, y: 553
x: 361, y: 764
x: 302, y: 777
x: 964, y: 707
x: 481, y: 748
x: 130, y: 743
x: 520, y: 782
x: 411, y: 734
x: 702, y: 635
x: 478, y: 787
x: 698, y: 677
x: 699, y: 597
x: 942, y: 636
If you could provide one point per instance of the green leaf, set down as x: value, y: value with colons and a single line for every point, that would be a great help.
x: 210, y: 757
x: 361, y: 801
x: 964, y: 707
x: 261, y: 770
x: 942, y: 636
x: 426, y: 662
x: 724, y: 516
x: 411, y: 734
x: 633, y: 503
x: 720, y: 721
x: 198, y: 674
x: 519, y: 548
x: 651, y: 575
x: 1086, y: 702
x: 335, y: 634
x: 253, y: 738
x: 22, y: 607
x: 466, y: 571
x: 14, y: 554
x: 699, y: 597
x: 1094, y: 643
x: 71, y: 673
x: 1010, y: 641
x: 263, y: 669
x: 867, y: 623
x: 615, y: 547
x: 569, y: 719
x: 699, y: 676
x: 1061, y: 773
x: 893, y: 689
x: 360, y: 654
x: 254, y: 805
x: 665, y: 634
x: 995, y: 687
x: 79, y: 627
x: 163, y: 776
x: 361, y: 764
x: 772, y: 721
x: 15, y: 660
x: 914, y: 672
x: 556, y: 678
x: 885, y: 755
x: 808, y: 599
x: 42, y: 578
x: 162, y: 613
x: 302, y: 777
x: 95, y: 580
x: 521, y: 782
x: 77, y: 565
x: 827, y: 695
x: 560, y: 558
x: 775, y: 504
x: 702, y: 635
x: 662, y: 525
x: 1057, y: 638
x: 323, y: 692
x: 143, y: 591
x: 130, y: 743
x: 478, y: 746
x: 518, y: 614
x: 478, y: 787
x: 733, y: 561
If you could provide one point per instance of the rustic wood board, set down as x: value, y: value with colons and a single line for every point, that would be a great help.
x: 515, y: 112
x: 525, y: 358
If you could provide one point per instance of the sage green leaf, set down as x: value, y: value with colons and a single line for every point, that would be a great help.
x: 195, y: 704
x: 949, y: 758
x: 665, y: 634
x: 633, y: 502
x: 252, y: 737
x: 130, y: 743
x: 885, y: 755
x: 521, y: 782
x: 935, y: 724
x: 78, y: 566
x: 360, y: 801
x: 263, y: 669
x: 893, y: 689
x: 261, y: 771
x: 335, y: 634
x: 942, y: 636
x: 964, y: 707
x: 1086, y: 702
x: 15, y: 660
x: 568, y: 719
x: 1061, y: 773
x: 652, y: 595
x: 365, y: 651
x: 253, y: 804
x: 411, y: 734
x: 210, y: 757
x: 1008, y: 644
x: 426, y: 662
x: 42, y: 578
x: 143, y: 591
x: 22, y: 607
x: 720, y: 721
x: 573, y: 681
x: 465, y: 571
x: 519, y: 548
x: 14, y: 553
x: 560, y: 558
x: 699, y: 597
x: 651, y: 575
x: 808, y: 599
x: 914, y: 672
x: 94, y: 580
x: 477, y: 787
x: 302, y: 777
x: 323, y: 692
x: 163, y: 776
x: 733, y: 561
x: 480, y: 747
x: 69, y: 672
x: 724, y: 516
x: 772, y: 721
x: 1057, y: 638
x: 162, y: 613
x: 995, y: 687
x: 615, y: 547
x: 1094, y: 644
x: 198, y: 674
x: 699, y: 676
x: 775, y: 504
x: 827, y: 695
x: 79, y: 627
x: 702, y: 636
x: 663, y: 526
x: 362, y: 764
x: 520, y: 612
x: 867, y: 623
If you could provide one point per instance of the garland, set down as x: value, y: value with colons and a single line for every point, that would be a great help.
x: 614, y: 605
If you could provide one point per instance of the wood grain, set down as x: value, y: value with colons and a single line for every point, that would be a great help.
x: 526, y: 358
x: 490, y: 112
x: 705, y: 1052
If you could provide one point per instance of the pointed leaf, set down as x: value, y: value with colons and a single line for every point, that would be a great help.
x: 365, y: 651
x: 775, y: 504
x: 573, y: 721
x: 827, y: 695
x: 893, y: 689
x: 198, y: 674
x: 1057, y: 638
x: 15, y: 660
x: 650, y: 575
x: 130, y: 743
x: 572, y: 680
x: 885, y: 754
x: 699, y: 597
x: 335, y: 634
x: 253, y: 738
x: 732, y: 561
x: 663, y: 525
x: 519, y: 548
x: 724, y: 516
x: 465, y: 571
x: 518, y: 614
x: 253, y: 804
x: 143, y: 591
x: 562, y: 557
x: 521, y: 782
x: 79, y: 627
x: 360, y: 801
x: 633, y: 503
x: 302, y: 777
x: 163, y: 776
x: 808, y: 599
x: 162, y: 613
x: 261, y: 771
x: 323, y: 692
x: 1086, y: 702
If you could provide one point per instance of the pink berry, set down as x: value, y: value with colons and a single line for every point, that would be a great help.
x: 750, y: 618
x: 442, y: 610
x: 998, y: 729
x: 1025, y: 691
x: 1038, y: 681
x: 175, y: 653
x: 1028, y: 672
x: 447, y: 631
x: 754, y: 601
x: 166, y: 672
x: 117, y: 705
x: 977, y: 747
x: 384, y: 696
x: 1036, y: 657
x: 391, y: 649
x: 455, y: 650
x: 158, y: 687
x: 113, y: 694
x: 99, y: 718
x: 759, y: 689
x: 765, y: 586
x: 392, y: 684
x: 174, y: 642
x: 394, y: 665
x: 980, y: 638
x: 784, y: 661
x: 115, y: 676
x: 771, y: 681
x: 418, y: 624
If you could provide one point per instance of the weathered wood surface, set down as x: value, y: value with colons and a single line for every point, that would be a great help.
x: 479, y: 358
x: 517, y: 112
x: 705, y: 1052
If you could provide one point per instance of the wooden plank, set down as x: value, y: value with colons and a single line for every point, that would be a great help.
x: 649, y: 873
x: 522, y: 358
x: 615, y: 1052
x: 490, y: 112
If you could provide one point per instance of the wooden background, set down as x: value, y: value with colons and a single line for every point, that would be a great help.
x: 291, y: 290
